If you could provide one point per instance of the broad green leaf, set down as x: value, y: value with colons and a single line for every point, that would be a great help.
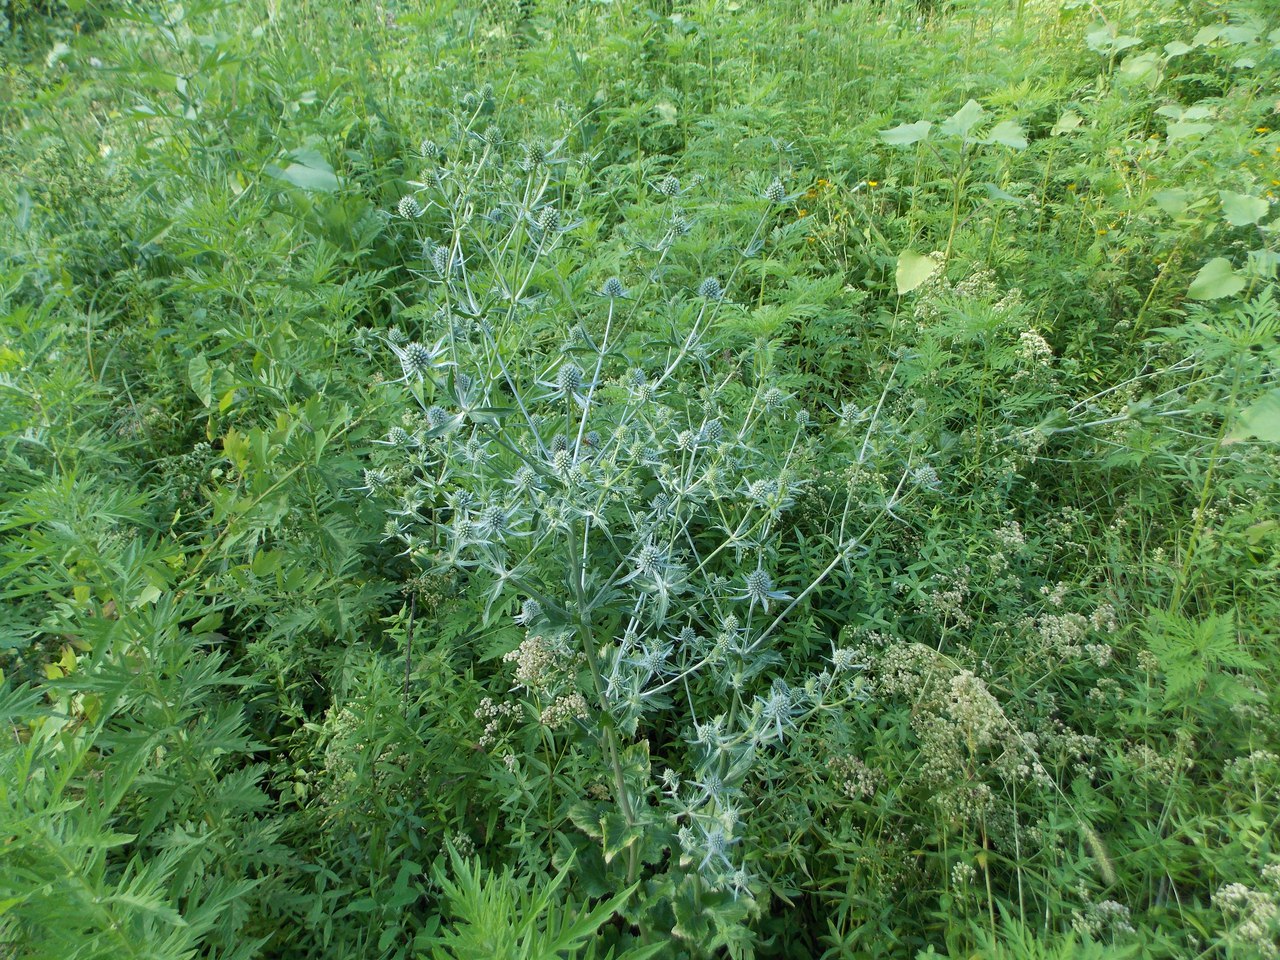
x: 995, y: 193
x: 1216, y: 279
x: 309, y: 170
x: 1259, y: 421
x: 1263, y: 263
x: 1173, y: 201
x: 1102, y: 39
x: 1176, y: 48
x: 913, y: 270
x: 963, y: 120
x: 1142, y: 68
x: 1206, y: 35
x: 200, y: 376
x: 1238, y: 33
x: 1183, y: 129
x: 1240, y: 209
x: 1066, y: 123
x: 907, y: 133
x: 1008, y: 133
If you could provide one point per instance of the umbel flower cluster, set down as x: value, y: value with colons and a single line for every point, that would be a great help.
x: 573, y: 449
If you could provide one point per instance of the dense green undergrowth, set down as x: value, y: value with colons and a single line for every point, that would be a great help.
x: 594, y: 479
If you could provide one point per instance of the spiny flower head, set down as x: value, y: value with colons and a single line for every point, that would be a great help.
x: 710, y: 289
x: 440, y: 260
x: 775, y: 192
x: 409, y: 208
x: 397, y: 436
x: 535, y: 152
x: 530, y: 613
x: 416, y: 359
x: 773, y: 398
x: 669, y: 186
x: 613, y: 289
x: 437, y: 417
x: 569, y: 378
x: 548, y: 219
x: 493, y: 519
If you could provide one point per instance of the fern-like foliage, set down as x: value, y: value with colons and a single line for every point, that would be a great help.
x: 502, y: 916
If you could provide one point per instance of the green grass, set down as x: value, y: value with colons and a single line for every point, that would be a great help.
x: 884, y: 565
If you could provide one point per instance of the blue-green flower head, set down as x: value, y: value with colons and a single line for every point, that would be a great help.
x: 710, y: 289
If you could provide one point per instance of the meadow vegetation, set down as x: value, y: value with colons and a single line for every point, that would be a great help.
x: 534, y: 479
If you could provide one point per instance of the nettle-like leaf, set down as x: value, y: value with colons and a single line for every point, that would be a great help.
x: 1191, y: 651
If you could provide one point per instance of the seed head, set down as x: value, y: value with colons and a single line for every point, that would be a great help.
x: 680, y: 224
x: 775, y: 192
x: 669, y: 186
x: 710, y: 289
x: 773, y: 398
x: 429, y: 149
x: 397, y: 436
x: 613, y: 289
x: 437, y: 417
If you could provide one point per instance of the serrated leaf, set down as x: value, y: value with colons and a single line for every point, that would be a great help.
x: 1216, y: 279
x: 1240, y: 209
x: 963, y: 120
x: 617, y: 835
x: 1259, y: 421
x: 586, y: 817
x: 913, y: 270
x: 907, y: 133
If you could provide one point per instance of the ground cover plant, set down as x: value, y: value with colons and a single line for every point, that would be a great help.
x: 639, y: 480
